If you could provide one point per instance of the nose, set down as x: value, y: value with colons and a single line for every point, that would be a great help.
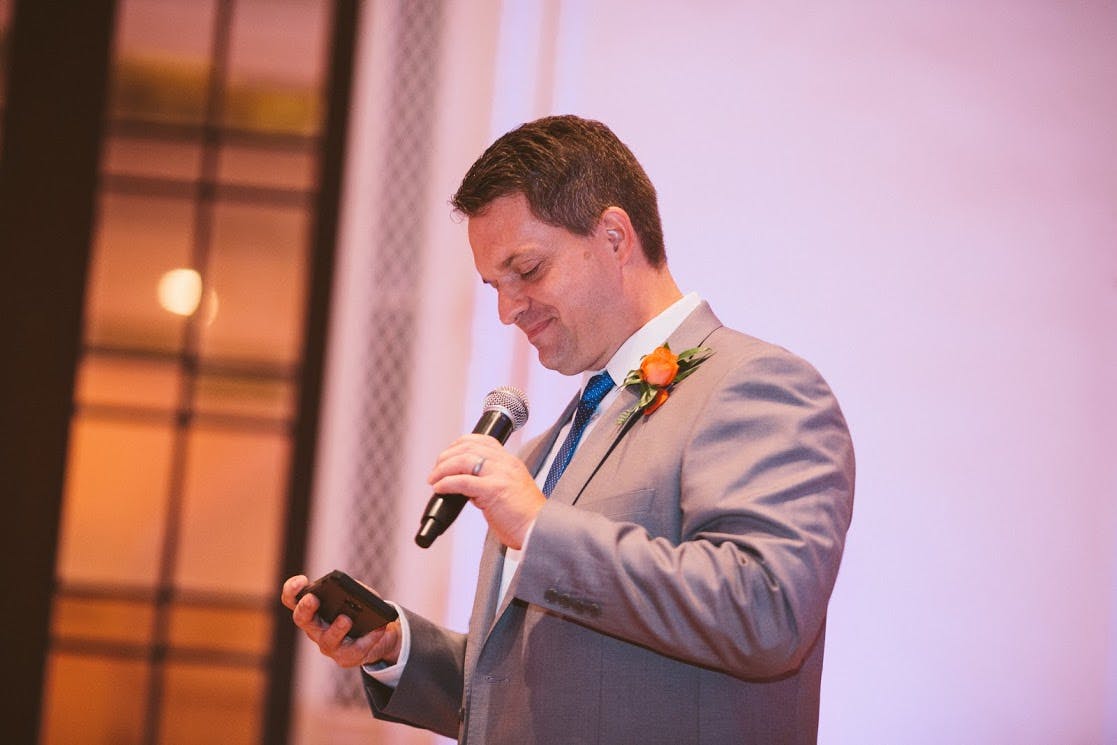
x: 510, y: 305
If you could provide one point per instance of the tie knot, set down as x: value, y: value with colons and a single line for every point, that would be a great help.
x: 596, y: 389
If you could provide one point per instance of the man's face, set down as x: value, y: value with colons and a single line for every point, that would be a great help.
x: 563, y: 290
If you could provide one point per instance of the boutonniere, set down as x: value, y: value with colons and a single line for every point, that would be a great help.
x: 659, y: 372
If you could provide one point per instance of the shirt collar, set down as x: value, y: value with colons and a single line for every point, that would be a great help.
x: 652, y: 334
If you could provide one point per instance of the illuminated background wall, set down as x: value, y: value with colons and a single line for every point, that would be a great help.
x: 919, y: 198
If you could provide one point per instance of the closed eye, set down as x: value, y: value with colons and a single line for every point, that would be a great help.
x: 520, y: 270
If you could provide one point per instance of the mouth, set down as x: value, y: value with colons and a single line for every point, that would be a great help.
x: 533, y: 330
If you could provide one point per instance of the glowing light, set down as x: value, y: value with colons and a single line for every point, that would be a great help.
x: 180, y: 291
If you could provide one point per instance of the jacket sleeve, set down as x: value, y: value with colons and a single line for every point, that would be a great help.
x: 756, y: 480
x: 429, y: 694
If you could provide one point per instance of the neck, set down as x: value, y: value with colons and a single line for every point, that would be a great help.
x: 657, y: 294
x: 645, y: 296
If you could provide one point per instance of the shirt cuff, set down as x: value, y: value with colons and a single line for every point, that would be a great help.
x: 388, y: 674
x: 527, y: 535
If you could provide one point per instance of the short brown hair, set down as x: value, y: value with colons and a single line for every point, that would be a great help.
x: 570, y: 170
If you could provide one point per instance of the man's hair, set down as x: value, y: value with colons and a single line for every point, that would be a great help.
x: 570, y: 170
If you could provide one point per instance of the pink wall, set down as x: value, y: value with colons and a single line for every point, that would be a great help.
x: 920, y: 198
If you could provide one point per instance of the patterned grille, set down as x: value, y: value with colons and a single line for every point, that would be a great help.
x: 396, y: 276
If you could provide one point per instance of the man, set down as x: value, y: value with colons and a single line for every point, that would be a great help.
x: 673, y: 587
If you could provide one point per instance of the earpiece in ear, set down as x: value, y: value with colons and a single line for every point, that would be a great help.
x: 614, y: 236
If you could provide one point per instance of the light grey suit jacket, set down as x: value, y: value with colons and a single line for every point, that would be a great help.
x: 676, y: 583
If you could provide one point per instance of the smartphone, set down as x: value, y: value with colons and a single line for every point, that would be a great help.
x: 338, y: 594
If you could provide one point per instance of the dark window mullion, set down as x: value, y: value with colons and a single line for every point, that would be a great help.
x: 148, y: 129
x: 53, y: 118
x: 342, y: 46
x: 201, y: 243
x: 151, y: 186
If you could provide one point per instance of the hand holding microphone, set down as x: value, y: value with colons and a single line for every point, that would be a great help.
x: 505, y: 410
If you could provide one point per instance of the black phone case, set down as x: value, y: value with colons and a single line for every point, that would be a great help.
x: 338, y: 593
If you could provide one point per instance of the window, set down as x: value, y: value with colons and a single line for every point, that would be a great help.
x: 189, y: 379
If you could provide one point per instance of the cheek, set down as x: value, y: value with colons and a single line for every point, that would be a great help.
x: 556, y: 298
x: 574, y: 308
x: 579, y: 297
x: 588, y: 321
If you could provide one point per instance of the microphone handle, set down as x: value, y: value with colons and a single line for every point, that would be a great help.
x: 443, y: 509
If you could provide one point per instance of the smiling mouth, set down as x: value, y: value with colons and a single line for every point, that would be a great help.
x: 533, y: 331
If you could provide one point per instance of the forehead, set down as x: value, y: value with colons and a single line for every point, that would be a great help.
x: 507, y: 229
x: 504, y: 218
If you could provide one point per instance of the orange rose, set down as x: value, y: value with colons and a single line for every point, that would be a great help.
x: 660, y: 397
x: 658, y: 372
x: 659, y: 369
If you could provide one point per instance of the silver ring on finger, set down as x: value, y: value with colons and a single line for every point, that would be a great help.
x: 478, y: 466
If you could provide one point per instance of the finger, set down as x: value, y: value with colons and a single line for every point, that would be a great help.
x: 342, y: 649
x: 475, y: 445
x: 333, y: 637
x: 382, y: 644
x: 291, y: 588
x: 456, y: 464
x: 468, y: 486
x: 463, y: 443
x: 468, y: 463
x: 453, y: 454
x: 352, y: 652
x: 304, y: 612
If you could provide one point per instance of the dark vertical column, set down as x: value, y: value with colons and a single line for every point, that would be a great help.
x: 58, y: 67
x: 324, y: 240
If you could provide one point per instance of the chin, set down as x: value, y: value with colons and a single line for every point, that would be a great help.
x: 558, y: 365
x: 551, y: 365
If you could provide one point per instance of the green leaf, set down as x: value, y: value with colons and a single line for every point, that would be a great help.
x: 632, y: 379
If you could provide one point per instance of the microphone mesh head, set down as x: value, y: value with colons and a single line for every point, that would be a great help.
x: 512, y: 401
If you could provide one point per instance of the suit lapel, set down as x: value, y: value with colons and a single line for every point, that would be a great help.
x: 591, y: 453
x: 484, y: 602
x: 607, y: 432
x: 485, y: 610
x: 593, y: 449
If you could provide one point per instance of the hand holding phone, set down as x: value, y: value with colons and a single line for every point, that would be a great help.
x: 340, y: 594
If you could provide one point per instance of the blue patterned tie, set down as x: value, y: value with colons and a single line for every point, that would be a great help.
x: 596, y: 389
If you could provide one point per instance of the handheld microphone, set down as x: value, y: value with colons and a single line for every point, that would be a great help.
x: 505, y: 411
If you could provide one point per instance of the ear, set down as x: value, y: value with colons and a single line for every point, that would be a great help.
x: 616, y: 230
